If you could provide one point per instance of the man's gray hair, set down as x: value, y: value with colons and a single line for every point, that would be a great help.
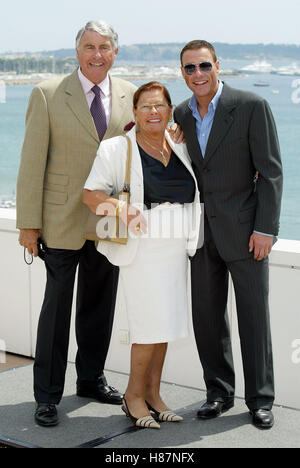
x: 100, y: 27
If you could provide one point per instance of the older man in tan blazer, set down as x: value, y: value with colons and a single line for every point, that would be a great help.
x: 61, y: 141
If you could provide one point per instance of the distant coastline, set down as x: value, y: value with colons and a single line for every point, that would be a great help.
x: 158, y: 60
x: 131, y: 73
x: 155, y: 72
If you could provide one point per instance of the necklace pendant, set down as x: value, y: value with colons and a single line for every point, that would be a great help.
x: 164, y: 159
x: 165, y: 162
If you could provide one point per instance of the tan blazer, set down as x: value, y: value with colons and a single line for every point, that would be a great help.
x: 60, y: 146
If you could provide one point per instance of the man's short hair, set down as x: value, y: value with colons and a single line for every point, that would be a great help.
x: 100, y: 27
x: 199, y: 44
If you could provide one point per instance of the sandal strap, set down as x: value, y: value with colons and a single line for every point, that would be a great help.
x: 169, y: 416
x: 147, y: 421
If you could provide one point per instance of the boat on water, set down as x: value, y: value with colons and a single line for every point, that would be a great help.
x: 260, y: 66
x: 7, y: 204
x: 290, y: 70
x: 261, y: 83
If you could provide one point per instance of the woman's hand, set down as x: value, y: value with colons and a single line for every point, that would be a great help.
x: 129, y: 215
x: 134, y: 219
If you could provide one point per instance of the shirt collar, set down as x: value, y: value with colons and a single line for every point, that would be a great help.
x: 87, y: 85
x: 193, y: 104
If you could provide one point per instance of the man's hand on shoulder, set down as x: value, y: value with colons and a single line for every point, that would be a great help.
x: 28, y: 239
x: 176, y: 133
x: 261, y: 245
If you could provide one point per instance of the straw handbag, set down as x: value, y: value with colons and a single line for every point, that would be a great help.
x: 111, y: 228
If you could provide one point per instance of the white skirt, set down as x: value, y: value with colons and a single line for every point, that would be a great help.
x: 155, y: 284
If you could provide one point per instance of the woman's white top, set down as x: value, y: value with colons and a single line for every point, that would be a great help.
x: 108, y: 174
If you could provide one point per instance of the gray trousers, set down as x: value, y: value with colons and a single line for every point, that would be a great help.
x: 250, y: 278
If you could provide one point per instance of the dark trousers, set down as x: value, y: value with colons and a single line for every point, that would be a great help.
x: 250, y: 278
x: 96, y: 296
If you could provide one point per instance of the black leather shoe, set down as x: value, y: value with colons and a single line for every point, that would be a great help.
x: 46, y: 415
x: 100, y: 391
x: 213, y: 409
x: 262, y: 418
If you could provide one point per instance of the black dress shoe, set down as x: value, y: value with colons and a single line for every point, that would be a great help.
x: 46, y: 415
x: 262, y: 418
x: 213, y: 409
x: 100, y: 391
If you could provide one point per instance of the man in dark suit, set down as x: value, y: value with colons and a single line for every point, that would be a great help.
x: 231, y: 135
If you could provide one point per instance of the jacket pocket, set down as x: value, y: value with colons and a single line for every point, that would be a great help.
x: 247, y: 215
x: 55, y: 198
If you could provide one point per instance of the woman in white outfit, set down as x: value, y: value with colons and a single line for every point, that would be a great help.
x: 163, y: 219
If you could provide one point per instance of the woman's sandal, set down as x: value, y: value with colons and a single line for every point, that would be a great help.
x: 168, y: 415
x: 144, y: 422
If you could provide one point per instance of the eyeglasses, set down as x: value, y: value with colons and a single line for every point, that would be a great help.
x: 190, y: 68
x: 148, y: 108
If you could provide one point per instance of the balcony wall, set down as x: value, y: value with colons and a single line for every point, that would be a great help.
x: 22, y: 289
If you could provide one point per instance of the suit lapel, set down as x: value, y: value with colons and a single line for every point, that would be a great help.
x: 222, y: 122
x: 192, y: 139
x: 76, y: 100
x: 117, y: 108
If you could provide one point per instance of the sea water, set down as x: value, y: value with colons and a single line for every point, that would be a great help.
x: 282, y: 94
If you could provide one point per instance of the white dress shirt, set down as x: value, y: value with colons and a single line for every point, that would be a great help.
x: 105, y: 90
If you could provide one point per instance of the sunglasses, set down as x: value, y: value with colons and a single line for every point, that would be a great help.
x: 190, y: 68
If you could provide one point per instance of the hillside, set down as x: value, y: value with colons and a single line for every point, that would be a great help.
x: 170, y: 51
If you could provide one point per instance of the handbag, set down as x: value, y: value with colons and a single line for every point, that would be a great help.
x: 111, y: 228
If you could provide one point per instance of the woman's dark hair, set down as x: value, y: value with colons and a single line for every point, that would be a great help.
x: 148, y: 87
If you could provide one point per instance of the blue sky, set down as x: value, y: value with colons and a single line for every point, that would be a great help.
x: 32, y: 25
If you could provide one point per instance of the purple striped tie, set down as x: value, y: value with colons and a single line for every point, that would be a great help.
x: 98, y: 113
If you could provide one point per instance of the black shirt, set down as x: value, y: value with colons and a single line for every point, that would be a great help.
x: 173, y: 183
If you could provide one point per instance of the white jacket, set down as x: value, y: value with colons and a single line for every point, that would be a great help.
x: 108, y: 174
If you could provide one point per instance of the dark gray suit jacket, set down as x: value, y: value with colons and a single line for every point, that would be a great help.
x: 243, y: 140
